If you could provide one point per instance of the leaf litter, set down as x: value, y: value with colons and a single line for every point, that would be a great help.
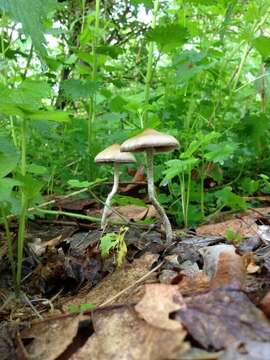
x: 198, y: 298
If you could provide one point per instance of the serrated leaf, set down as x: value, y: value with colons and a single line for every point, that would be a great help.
x: 228, y: 198
x: 32, y: 14
x: 79, y: 89
x: 168, y: 37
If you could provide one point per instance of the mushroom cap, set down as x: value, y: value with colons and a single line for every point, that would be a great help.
x: 112, y: 154
x: 150, y: 139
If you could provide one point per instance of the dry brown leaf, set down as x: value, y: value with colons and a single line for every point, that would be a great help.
x: 158, y: 302
x: 51, y: 338
x: 193, y: 285
x: 121, y: 335
x: 133, y: 212
x: 224, y: 266
x: 219, y: 318
x: 113, y: 283
x: 244, y: 225
x: 265, y: 304
x: 137, y: 181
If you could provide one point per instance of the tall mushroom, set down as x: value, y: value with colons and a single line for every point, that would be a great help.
x: 112, y: 155
x: 152, y: 141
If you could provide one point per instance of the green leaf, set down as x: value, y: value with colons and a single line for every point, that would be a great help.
x: 262, y: 44
x: 218, y: 153
x: 78, y: 184
x: 146, y: 3
x: 227, y: 198
x: 107, y: 243
x: 177, y: 167
x: 32, y: 15
x: 79, y: 89
x: 36, y: 169
x: 6, y: 186
x: 8, y: 156
x: 168, y: 37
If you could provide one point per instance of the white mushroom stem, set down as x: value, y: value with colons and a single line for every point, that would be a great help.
x: 108, y: 201
x: 152, y: 196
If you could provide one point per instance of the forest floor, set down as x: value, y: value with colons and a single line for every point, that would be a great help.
x: 200, y: 297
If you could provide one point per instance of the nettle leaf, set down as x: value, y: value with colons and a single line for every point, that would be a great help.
x: 8, y: 156
x: 168, y: 37
x: 26, y: 97
x: 262, y: 44
x: 78, y: 89
x: 32, y: 15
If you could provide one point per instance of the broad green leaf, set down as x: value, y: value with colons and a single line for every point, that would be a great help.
x: 6, y: 186
x: 262, y: 44
x: 227, y: 198
x: 78, y: 184
x: 79, y: 89
x: 168, y: 37
x: 8, y: 156
x: 218, y: 153
x: 36, y: 169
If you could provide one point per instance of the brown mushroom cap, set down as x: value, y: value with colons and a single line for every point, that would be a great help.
x: 112, y: 154
x: 150, y: 139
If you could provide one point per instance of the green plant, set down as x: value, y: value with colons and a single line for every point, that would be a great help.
x: 114, y: 242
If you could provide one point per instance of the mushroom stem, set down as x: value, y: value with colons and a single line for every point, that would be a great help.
x: 110, y: 196
x: 152, y: 196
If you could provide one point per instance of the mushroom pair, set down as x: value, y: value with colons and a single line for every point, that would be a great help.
x: 149, y: 141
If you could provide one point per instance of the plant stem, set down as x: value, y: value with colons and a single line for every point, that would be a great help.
x: 9, y: 242
x: 92, y: 105
x: 110, y: 196
x: 69, y: 214
x: 152, y: 196
x: 22, y: 216
x: 149, y: 73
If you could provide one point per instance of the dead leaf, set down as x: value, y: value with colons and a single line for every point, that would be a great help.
x: 121, y: 335
x: 51, y: 338
x: 194, y: 285
x: 245, y: 225
x: 158, y: 302
x: 133, y: 212
x: 221, y: 317
x: 251, y: 350
x: 224, y: 266
x: 265, y: 304
x: 113, y: 283
x: 138, y: 181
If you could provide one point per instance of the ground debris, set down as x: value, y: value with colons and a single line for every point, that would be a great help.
x: 220, y: 317
x: 120, y: 334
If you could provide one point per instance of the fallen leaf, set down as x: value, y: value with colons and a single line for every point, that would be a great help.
x: 121, y: 335
x: 50, y: 338
x: 133, y: 212
x: 114, y: 283
x: 194, y: 285
x: 244, y: 225
x: 265, y: 304
x: 251, y: 350
x: 138, y: 181
x: 219, y: 318
x: 224, y: 266
x: 158, y: 302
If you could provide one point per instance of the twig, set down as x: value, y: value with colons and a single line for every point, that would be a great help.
x: 131, y: 286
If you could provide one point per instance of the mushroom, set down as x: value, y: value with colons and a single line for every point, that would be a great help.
x: 152, y: 141
x: 112, y: 155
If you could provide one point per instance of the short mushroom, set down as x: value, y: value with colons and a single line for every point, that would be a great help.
x: 152, y: 141
x: 112, y: 155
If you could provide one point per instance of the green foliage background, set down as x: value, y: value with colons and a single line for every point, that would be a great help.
x: 79, y: 78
